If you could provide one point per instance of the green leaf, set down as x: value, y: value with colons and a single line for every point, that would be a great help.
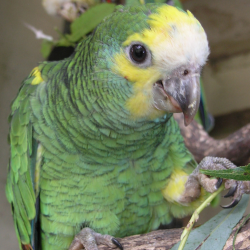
x: 214, y: 233
x: 89, y: 20
x: 64, y: 41
x: 239, y: 174
x: 46, y: 48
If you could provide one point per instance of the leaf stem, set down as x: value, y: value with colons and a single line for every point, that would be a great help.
x: 195, y: 217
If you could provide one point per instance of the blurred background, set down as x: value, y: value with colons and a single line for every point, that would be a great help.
x: 226, y: 76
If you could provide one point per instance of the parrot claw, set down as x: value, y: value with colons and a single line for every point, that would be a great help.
x: 117, y: 243
x: 89, y: 239
x: 219, y: 182
x: 233, y: 203
x: 231, y: 192
x: 236, y: 188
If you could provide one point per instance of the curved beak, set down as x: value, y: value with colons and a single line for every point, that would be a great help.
x: 184, y: 94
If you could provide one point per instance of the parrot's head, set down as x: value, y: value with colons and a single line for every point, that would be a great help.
x: 160, y: 51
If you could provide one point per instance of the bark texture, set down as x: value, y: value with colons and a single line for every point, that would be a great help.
x: 235, y: 147
x: 165, y: 239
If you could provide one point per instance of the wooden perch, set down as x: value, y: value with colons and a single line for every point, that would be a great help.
x: 165, y: 239
x: 235, y: 147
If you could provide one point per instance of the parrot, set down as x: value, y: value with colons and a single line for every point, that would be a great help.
x: 95, y: 152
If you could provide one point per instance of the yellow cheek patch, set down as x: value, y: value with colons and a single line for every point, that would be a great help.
x: 176, y: 186
x: 133, y: 73
x: 140, y: 104
x: 37, y: 76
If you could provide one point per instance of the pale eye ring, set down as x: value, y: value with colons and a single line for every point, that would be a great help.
x: 139, y: 54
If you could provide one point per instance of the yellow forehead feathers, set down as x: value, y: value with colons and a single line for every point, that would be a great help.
x: 164, y: 21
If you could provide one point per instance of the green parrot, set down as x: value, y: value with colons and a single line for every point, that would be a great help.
x: 95, y: 150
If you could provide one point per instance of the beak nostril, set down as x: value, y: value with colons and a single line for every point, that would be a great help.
x: 159, y: 83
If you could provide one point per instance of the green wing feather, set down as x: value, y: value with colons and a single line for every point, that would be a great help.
x: 20, y: 190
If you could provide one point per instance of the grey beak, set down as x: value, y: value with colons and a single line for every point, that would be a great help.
x: 186, y: 93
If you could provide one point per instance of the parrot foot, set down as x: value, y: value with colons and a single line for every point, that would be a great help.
x: 197, y: 179
x: 89, y: 239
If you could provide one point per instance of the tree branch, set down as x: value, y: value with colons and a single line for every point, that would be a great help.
x: 165, y: 239
x: 235, y: 147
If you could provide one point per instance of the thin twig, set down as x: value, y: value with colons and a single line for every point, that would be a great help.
x: 195, y: 217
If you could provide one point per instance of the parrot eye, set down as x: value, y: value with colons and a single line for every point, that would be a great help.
x: 138, y: 53
x: 185, y: 72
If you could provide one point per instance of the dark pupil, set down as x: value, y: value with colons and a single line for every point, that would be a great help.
x: 138, y: 53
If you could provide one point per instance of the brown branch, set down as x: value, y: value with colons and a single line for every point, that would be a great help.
x: 160, y: 239
x: 165, y: 239
x: 235, y: 147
